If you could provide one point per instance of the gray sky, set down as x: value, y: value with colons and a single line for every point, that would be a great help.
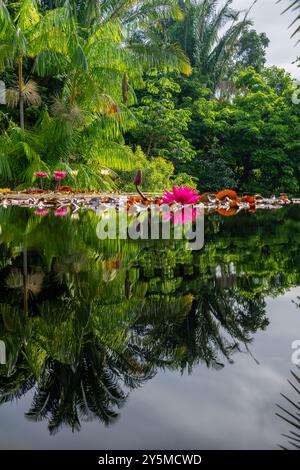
x: 267, y: 18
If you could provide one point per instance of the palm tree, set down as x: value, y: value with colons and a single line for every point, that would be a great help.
x: 15, y: 48
x: 98, y: 65
x: 89, y: 49
x: 213, y: 48
x: 209, y: 35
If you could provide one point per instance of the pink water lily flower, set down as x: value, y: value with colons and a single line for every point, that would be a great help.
x: 59, y: 175
x: 41, y: 174
x: 182, y: 195
x: 41, y: 212
x: 62, y: 212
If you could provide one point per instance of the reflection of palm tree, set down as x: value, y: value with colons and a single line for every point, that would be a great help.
x: 224, y: 320
x: 20, y: 228
x: 15, y: 330
x: 17, y: 385
x: 206, y: 327
x: 292, y: 415
x: 67, y: 394
x: 79, y: 369
x: 25, y: 283
x: 34, y: 282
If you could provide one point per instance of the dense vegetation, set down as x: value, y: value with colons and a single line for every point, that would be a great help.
x: 178, y: 88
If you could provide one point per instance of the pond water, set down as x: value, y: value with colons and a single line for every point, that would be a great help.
x: 116, y: 344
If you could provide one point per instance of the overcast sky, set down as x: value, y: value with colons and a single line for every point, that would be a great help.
x: 267, y: 18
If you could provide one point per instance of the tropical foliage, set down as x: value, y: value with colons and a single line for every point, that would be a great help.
x: 86, y: 64
x: 254, y: 136
x: 177, y: 88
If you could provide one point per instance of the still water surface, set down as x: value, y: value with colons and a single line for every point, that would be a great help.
x: 123, y: 345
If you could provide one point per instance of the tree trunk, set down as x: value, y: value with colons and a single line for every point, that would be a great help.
x: 21, y: 97
x: 25, y: 280
x: 22, y: 123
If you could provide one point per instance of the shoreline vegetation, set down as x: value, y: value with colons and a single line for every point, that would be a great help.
x: 223, y: 204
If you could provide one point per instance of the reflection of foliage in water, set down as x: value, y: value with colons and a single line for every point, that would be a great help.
x: 102, y: 316
x: 292, y: 414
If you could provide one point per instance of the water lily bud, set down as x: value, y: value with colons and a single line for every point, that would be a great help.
x: 138, y: 179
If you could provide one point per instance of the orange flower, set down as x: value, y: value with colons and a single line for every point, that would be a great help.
x: 138, y: 199
x: 284, y: 197
x: 248, y: 199
x: 226, y: 193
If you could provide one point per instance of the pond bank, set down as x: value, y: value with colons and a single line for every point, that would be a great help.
x: 90, y: 200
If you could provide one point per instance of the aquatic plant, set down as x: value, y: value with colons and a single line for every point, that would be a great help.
x: 226, y: 193
x: 181, y: 195
x: 41, y: 212
x: 61, y: 212
x: 41, y: 174
x: 59, y: 176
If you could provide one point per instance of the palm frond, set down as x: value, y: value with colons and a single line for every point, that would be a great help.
x: 6, y: 23
x: 31, y: 93
x: 292, y: 415
x: 294, y: 5
x: 27, y: 14
x: 65, y: 113
x: 12, y: 97
x: 216, y: 33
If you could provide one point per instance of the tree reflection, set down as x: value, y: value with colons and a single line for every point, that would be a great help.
x: 104, y: 316
x: 92, y: 389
